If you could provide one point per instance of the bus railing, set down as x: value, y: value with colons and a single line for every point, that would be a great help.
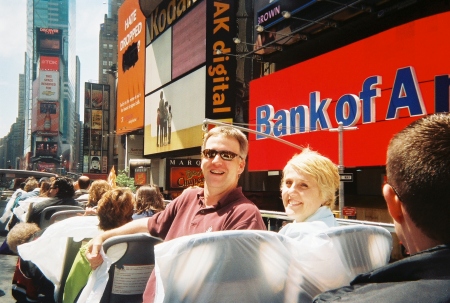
x: 268, y: 214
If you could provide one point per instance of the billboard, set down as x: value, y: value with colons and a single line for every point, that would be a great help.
x: 183, y: 173
x: 96, y: 128
x: 49, y: 41
x: 45, y: 149
x: 45, y: 118
x: 167, y: 124
x: 130, y: 69
x: 221, y: 67
x: 48, y: 85
x: 189, y: 53
x: 158, y: 62
x: 379, y: 85
x: 49, y: 63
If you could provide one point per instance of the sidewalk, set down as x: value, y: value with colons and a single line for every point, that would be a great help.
x: 7, y: 265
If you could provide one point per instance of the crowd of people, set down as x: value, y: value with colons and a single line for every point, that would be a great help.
x: 416, y: 197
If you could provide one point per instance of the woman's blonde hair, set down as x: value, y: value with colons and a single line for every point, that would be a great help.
x: 321, y: 169
x: 96, y: 191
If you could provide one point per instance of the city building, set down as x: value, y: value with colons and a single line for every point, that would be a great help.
x: 290, y: 71
x: 50, y: 87
x: 100, y: 152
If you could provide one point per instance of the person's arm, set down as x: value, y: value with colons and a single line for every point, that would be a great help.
x: 92, y: 252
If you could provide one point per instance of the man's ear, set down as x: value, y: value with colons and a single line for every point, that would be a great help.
x: 241, y: 167
x: 394, y: 204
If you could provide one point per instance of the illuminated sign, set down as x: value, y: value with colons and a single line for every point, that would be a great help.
x: 221, y: 66
x: 183, y: 173
x: 49, y: 63
x: 165, y: 14
x: 49, y: 41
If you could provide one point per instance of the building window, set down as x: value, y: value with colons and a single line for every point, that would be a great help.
x: 105, y: 46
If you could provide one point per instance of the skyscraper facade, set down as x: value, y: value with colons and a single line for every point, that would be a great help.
x: 50, y: 81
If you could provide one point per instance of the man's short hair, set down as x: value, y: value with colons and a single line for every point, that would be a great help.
x: 65, y: 187
x: 418, y: 168
x: 231, y: 132
x: 84, y: 182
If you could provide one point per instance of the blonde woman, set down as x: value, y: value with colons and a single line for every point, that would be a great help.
x: 308, y: 189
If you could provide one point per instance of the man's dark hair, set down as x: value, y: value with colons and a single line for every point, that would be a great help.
x: 418, y: 167
x: 84, y: 182
x: 65, y: 187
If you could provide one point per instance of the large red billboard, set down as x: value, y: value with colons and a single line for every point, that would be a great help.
x: 379, y: 84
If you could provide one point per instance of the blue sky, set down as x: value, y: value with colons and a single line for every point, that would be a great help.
x: 90, y: 14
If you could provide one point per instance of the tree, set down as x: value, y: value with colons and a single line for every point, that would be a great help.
x: 122, y: 180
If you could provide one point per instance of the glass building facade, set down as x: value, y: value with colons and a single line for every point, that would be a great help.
x: 53, y: 14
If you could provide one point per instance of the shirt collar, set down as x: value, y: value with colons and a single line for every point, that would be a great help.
x: 232, y: 196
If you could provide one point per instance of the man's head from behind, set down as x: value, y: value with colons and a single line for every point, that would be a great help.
x: 84, y: 182
x: 418, y: 171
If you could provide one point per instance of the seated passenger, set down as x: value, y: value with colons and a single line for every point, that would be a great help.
x: 308, y: 189
x: 82, y: 187
x: 32, y: 188
x: 60, y: 193
x: 115, y: 209
x: 418, y: 199
x: 149, y: 201
x: 29, y: 284
x: 96, y: 191
x: 18, y: 190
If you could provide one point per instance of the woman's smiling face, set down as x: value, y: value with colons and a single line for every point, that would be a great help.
x: 300, y: 194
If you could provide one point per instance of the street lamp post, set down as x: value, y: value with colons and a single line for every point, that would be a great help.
x: 340, y: 131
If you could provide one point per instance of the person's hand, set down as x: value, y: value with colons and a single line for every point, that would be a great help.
x: 90, y: 211
x: 93, y: 252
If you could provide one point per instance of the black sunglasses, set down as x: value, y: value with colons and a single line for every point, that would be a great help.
x: 224, y: 154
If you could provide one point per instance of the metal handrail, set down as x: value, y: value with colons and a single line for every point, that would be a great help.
x: 282, y: 216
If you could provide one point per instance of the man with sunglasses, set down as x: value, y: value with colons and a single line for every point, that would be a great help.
x: 220, y: 205
x: 418, y: 198
x: 60, y: 193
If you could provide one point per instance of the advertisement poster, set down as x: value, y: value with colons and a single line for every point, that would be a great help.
x: 49, y: 63
x: 140, y: 176
x: 183, y: 173
x: 45, y: 119
x: 95, y: 165
x: 46, y: 149
x: 96, y: 119
x: 130, y: 69
x: 48, y: 85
